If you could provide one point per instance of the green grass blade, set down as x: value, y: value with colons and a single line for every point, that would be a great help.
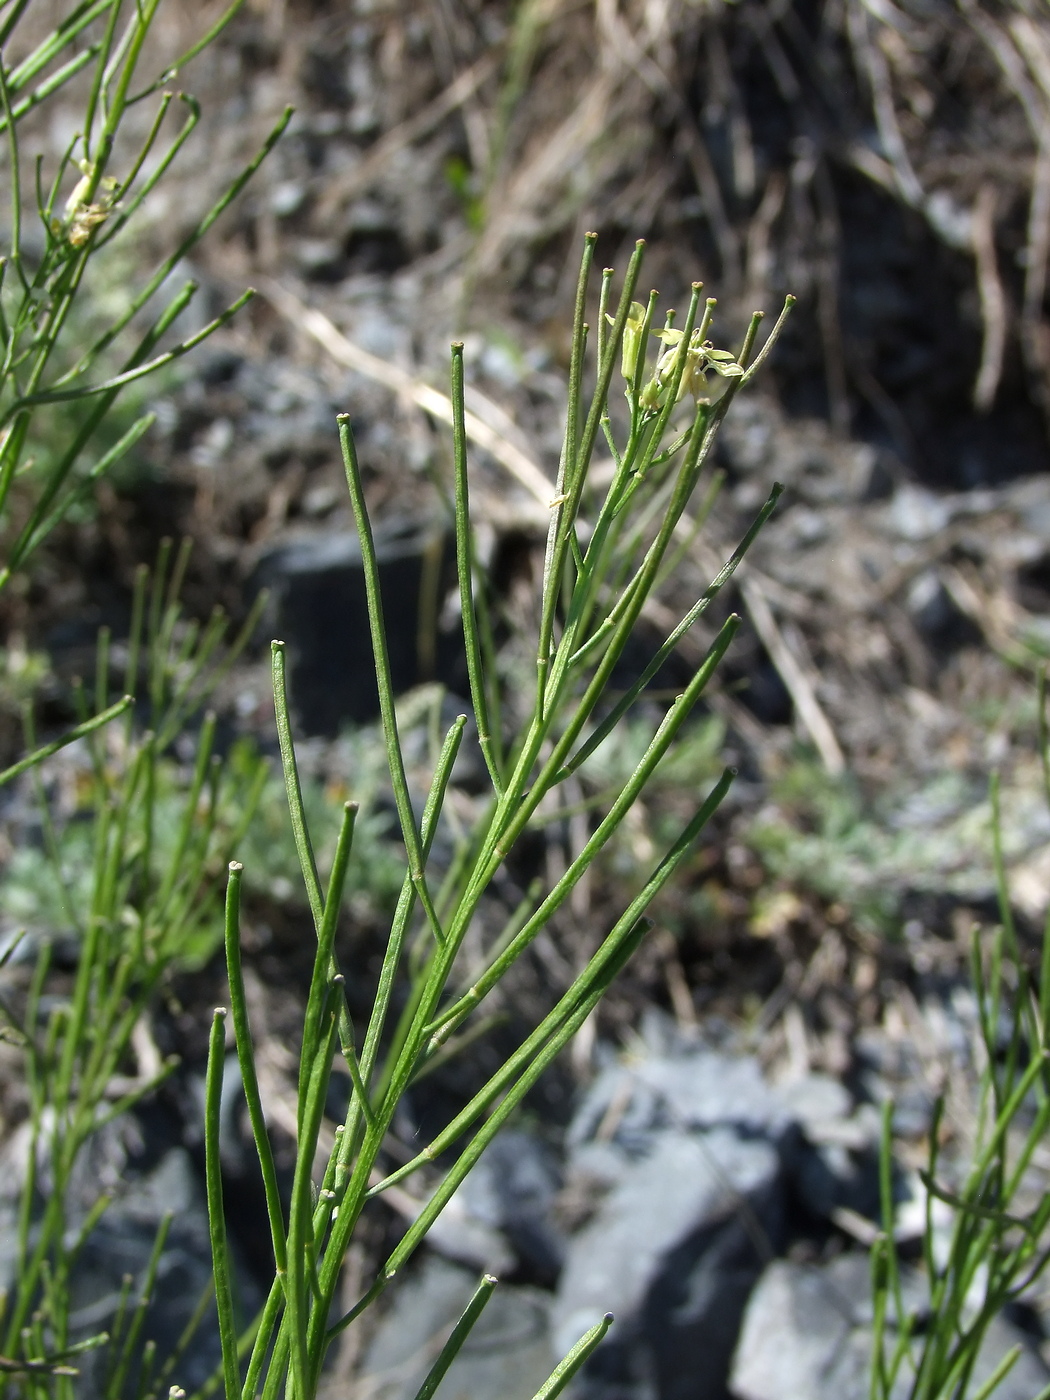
x: 435, y: 1205
x: 266, y: 1323
x: 576, y: 475
x: 302, y: 1267
x: 716, y: 652
x: 324, y: 968
x: 596, y: 971
x: 203, y: 42
x: 767, y: 348
x: 656, y: 750
x: 381, y: 656
x: 119, y: 381
x: 1002, y: 886
x: 138, y: 1317
x: 565, y: 492
x: 38, y: 529
x: 402, y: 915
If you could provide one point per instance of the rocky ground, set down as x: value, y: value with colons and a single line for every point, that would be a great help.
x: 888, y: 164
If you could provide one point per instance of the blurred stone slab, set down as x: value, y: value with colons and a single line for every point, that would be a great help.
x: 500, y: 1220
x: 698, y: 1089
x: 506, y: 1357
x: 807, y: 1336
x: 681, y: 1187
x: 316, y: 580
x: 683, y: 1164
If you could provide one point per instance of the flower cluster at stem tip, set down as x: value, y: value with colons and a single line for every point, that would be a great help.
x: 700, y: 358
x: 82, y: 217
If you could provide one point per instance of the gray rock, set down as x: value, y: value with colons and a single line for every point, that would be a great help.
x: 524, y: 1182
x: 319, y: 602
x: 672, y: 1250
x: 916, y: 514
x: 501, y: 1220
x: 827, y: 1149
x: 794, y: 1334
x: 121, y: 1245
x: 807, y: 1336
x: 506, y: 1357
x: 832, y: 1157
x: 828, y: 1176
x: 815, y: 1100
x: 679, y: 1164
x: 699, y: 1090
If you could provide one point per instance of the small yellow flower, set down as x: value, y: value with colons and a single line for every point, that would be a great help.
x: 667, y: 364
x: 722, y: 362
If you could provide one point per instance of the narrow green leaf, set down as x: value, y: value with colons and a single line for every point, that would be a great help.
x: 377, y: 626
x: 293, y: 787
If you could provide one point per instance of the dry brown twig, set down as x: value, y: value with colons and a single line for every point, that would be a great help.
x: 342, y: 190
x: 793, y: 673
x: 993, y: 300
x: 345, y: 352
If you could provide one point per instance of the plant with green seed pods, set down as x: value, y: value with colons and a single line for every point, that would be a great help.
x: 605, y: 557
x: 133, y: 875
x: 138, y: 885
x: 994, y: 1246
x: 60, y: 226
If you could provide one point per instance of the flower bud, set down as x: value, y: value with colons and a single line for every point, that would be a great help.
x: 632, y: 341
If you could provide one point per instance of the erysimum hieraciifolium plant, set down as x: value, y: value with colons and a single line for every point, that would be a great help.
x: 136, y: 895
x: 607, y: 553
x: 994, y: 1246
x: 59, y: 219
x: 137, y: 887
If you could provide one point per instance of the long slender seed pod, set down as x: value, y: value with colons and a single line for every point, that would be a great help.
x: 564, y: 489
x: 220, y: 1252
x: 246, y: 1060
x: 459, y: 1335
x: 377, y: 626
x: 465, y: 568
x: 293, y: 787
x: 576, y: 475
x: 564, y: 1372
